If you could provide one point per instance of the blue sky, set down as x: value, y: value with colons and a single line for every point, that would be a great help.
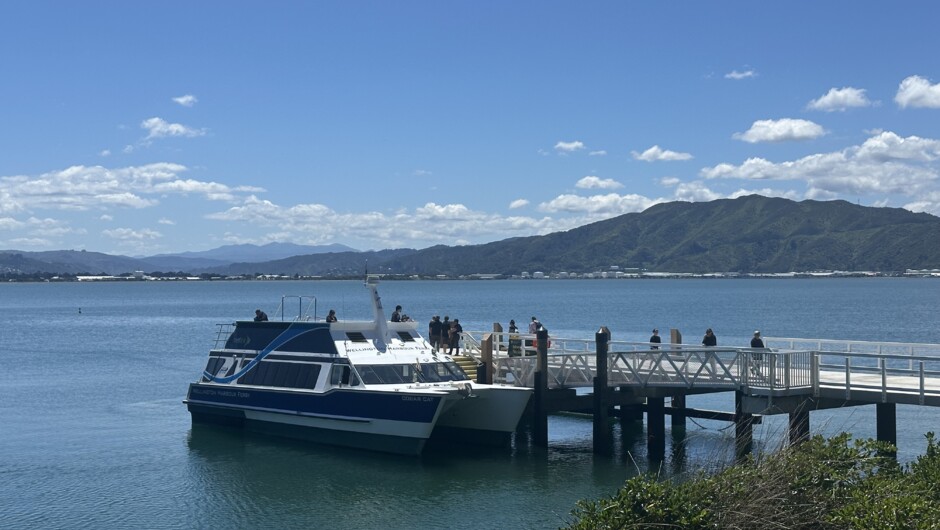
x: 142, y: 128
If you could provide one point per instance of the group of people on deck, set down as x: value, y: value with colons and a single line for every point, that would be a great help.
x: 261, y: 316
x: 531, y: 344
x: 708, y: 340
x: 757, y: 343
x: 445, y: 334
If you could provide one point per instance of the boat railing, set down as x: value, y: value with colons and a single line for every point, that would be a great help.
x: 303, y: 313
x: 222, y: 334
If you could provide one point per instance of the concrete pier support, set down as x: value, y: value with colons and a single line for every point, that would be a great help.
x: 799, y: 426
x: 603, y: 444
x: 656, y: 428
x: 886, y: 421
x: 678, y: 402
x: 540, y: 411
x: 743, y: 428
x: 678, y: 415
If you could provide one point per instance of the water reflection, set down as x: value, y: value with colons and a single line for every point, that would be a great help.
x: 243, y: 478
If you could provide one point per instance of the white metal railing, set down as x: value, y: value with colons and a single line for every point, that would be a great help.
x: 785, y: 366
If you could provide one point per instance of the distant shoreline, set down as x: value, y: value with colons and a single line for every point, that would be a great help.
x: 487, y: 277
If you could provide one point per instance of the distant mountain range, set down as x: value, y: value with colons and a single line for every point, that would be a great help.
x: 747, y: 234
x: 228, y: 254
x: 85, y: 262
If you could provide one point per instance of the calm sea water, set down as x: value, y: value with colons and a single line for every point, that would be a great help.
x: 93, y: 433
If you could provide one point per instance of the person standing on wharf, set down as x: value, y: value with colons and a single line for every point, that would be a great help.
x: 655, y: 339
x: 709, y: 339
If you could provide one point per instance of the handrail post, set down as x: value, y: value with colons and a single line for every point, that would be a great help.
x: 486, y: 359
x: 884, y: 379
x: 814, y: 372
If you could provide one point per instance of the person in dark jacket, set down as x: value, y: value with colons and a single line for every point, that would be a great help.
x: 260, y: 316
x: 434, y: 332
x: 455, y: 330
x: 709, y: 339
x: 515, y: 344
x: 655, y: 339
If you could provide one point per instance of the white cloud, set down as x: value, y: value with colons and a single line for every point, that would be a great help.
x: 105, y: 153
x: 592, y: 182
x: 431, y: 223
x: 736, y: 75
x: 840, y: 99
x: 916, y: 91
x: 106, y: 217
x: 421, y: 173
x: 187, y: 101
x: 884, y: 164
x: 786, y: 129
x: 669, y: 181
x: 87, y: 187
x: 695, y: 192
x: 51, y: 228
x: 598, y: 153
x: 128, y: 234
x: 928, y: 203
x: 9, y: 223
x: 29, y: 242
x: 211, y: 190
x: 610, y: 204
x: 165, y: 221
x: 518, y: 203
x: 655, y: 154
x: 160, y: 128
x: 569, y: 147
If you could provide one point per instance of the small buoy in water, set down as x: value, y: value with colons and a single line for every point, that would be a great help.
x: 79, y: 311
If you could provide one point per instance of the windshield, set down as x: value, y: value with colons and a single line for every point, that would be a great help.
x: 386, y: 374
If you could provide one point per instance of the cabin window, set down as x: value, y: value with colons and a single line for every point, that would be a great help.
x: 282, y: 375
x: 456, y: 372
x: 342, y: 375
x: 213, y: 365
x: 356, y: 336
x: 405, y: 336
x: 387, y: 374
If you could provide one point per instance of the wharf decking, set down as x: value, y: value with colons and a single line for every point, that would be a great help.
x: 789, y: 376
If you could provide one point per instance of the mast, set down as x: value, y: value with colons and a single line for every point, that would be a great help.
x: 378, y: 314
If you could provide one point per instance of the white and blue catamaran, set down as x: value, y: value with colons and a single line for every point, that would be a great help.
x: 374, y: 385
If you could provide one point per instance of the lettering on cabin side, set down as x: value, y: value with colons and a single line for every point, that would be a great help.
x: 223, y: 393
x: 424, y: 399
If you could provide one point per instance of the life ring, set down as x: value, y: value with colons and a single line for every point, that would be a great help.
x: 535, y: 343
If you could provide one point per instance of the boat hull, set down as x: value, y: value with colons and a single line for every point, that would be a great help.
x: 488, y: 416
x: 395, y: 422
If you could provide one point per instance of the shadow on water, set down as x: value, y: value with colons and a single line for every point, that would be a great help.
x: 244, y: 478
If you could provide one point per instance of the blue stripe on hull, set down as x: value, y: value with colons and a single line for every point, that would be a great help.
x: 368, y: 441
x: 368, y: 405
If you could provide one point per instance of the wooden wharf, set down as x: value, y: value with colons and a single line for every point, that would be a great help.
x: 629, y: 379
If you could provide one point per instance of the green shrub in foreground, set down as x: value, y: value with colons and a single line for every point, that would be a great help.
x: 822, y: 483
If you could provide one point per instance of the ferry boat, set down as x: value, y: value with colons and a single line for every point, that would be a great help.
x: 375, y: 385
